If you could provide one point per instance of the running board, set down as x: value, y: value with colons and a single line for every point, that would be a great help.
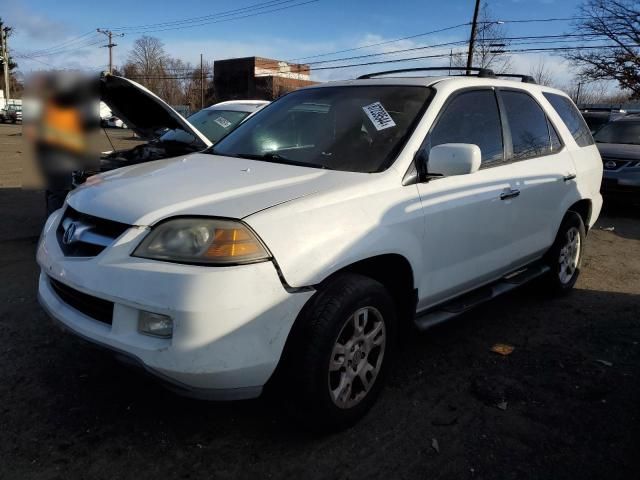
x: 469, y: 300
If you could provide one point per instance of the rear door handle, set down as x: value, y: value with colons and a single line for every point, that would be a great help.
x: 569, y: 177
x: 509, y: 194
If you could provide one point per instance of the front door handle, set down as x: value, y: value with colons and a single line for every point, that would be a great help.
x: 569, y: 177
x: 509, y: 194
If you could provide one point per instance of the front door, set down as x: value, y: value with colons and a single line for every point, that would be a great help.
x: 466, y: 216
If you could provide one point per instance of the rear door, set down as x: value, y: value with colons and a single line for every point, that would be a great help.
x: 585, y: 155
x: 467, y: 241
x: 543, y: 172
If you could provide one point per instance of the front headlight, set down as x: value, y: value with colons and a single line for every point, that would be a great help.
x: 202, y: 241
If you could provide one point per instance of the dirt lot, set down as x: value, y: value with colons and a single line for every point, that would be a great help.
x: 571, y: 387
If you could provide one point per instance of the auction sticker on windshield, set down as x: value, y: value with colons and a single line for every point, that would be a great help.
x: 379, y: 116
x: 223, y: 122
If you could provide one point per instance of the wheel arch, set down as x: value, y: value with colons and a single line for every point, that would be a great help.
x: 392, y: 270
x: 583, y: 208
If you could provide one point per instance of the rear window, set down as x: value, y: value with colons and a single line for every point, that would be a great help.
x: 572, y: 118
x: 528, y: 125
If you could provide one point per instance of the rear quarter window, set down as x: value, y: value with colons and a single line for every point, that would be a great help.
x: 572, y: 118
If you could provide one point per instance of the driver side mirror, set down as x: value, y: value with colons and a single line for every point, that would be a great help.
x: 451, y: 159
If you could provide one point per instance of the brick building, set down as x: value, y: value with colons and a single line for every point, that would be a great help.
x: 257, y: 78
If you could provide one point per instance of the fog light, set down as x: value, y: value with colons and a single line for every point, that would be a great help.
x: 155, y: 325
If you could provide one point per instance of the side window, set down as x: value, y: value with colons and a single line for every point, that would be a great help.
x: 528, y: 125
x: 572, y: 118
x: 556, y: 144
x: 471, y: 117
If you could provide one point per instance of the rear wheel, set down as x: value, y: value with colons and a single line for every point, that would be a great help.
x: 340, y: 352
x: 565, y: 255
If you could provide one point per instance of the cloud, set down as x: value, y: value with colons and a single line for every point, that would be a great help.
x: 32, y: 27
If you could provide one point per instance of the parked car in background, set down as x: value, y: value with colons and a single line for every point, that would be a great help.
x: 289, y: 255
x: 114, y: 122
x: 619, y: 145
x: 218, y: 120
x: 597, y: 117
x: 14, y: 112
x: 11, y: 113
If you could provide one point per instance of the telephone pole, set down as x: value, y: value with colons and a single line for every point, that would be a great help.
x: 110, y: 45
x: 4, y: 52
x: 472, y: 40
x: 201, y: 84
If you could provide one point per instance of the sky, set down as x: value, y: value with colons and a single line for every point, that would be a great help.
x: 313, y: 27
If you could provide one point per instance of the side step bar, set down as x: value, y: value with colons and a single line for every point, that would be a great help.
x: 469, y: 300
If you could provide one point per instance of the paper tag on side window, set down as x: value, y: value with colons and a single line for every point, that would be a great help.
x: 223, y: 122
x: 379, y: 116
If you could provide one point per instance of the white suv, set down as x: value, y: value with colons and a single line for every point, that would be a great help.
x: 290, y: 253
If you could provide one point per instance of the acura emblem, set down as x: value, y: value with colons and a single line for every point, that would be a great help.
x: 610, y: 164
x: 69, y: 232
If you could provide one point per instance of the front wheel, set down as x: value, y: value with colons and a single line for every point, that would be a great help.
x: 340, y: 352
x: 565, y: 255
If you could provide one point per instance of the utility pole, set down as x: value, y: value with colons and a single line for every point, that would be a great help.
x: 578, y: 94
x: 4, y: 52
x: 110, y: 45
x: 472, y: 40
x: 201, y: 84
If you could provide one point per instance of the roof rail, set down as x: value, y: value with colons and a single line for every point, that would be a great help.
x: 524, y: 78
x: 482, y: 72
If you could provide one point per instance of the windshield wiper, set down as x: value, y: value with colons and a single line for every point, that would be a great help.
x: 277, y: 158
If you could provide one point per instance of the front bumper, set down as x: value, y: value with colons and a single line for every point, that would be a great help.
x: 626, y: 181
x: 230, y: 323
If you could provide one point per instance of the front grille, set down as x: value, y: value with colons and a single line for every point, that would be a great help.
x: 94, y: 307
x: 617, y: 164
x: 90, y: 236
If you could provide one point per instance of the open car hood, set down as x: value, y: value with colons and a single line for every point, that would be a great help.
x: 142, y: 110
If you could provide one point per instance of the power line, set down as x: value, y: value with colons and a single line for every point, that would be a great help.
x: 556, y: 38
x: 444, y: 55
x: 63, y: 44
x: 67, y: 50
x: 255, y: 6
x: 210, y: 22
x: 410, y: 37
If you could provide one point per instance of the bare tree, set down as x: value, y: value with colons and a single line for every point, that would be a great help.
x: 147, y: 61
x: 489, y: 46
x: 619, y: 22
x: 594, y: 92
x: 541, y: 73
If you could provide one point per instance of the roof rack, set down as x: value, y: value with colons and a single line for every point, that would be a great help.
x: 482, y: 72
x: 524, y: 78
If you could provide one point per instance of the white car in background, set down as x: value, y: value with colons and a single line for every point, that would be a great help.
x: 218, y: 120
x: 114, y: 122
x: 289, y: 254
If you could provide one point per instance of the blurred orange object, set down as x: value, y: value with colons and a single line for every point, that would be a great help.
x: 503, y: 349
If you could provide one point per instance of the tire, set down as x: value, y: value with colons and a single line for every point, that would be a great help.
x: 565, y: 255
x: 321, y: 383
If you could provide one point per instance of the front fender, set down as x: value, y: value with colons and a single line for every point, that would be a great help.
x: 314, y: 237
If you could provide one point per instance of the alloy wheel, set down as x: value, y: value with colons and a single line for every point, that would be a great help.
x: 357, y: 357
x: 569, y: 255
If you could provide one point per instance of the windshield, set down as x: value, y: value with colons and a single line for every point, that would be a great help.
x: 354, y: 128
x: 619, y: 132
x: 215, y: 124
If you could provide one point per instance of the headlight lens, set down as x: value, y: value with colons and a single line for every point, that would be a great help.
x: 202, y: 240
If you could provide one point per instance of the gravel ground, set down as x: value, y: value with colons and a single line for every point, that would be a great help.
x: 563, y: 405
